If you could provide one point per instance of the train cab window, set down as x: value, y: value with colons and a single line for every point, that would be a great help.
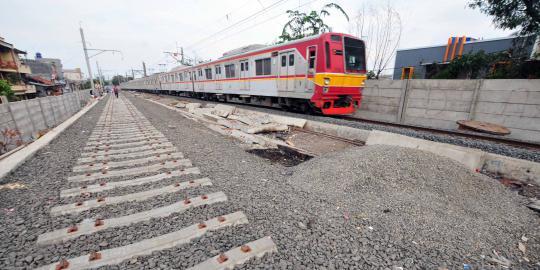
x: 283, y: 60
x: 355, y: 55
x: 327, y: 54
x: 208, y: 72
x: 312, y: 56
x: 291, y: 59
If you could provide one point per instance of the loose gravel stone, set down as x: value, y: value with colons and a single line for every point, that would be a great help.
x: 412, y: 196
x: 311, y: 230
x: 485, y: 145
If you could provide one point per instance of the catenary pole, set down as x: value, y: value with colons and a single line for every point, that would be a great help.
x: 87, y: 62
x: 100, y: 76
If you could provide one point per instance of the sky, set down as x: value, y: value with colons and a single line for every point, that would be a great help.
x: 142, y: 30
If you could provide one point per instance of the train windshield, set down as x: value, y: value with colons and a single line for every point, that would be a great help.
x: 355, y: 56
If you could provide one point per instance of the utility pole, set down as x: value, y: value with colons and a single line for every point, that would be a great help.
x: 100, y: 75
x: 87, y: 57
x: 87, y: 61
x: 179, y: 56
x: 144, y: 69
x: 182, y: 55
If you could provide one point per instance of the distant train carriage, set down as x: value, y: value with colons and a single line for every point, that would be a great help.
x: 323, y: 73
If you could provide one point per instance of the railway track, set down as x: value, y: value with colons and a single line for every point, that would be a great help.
x: 463, y: 134
x: 125, y: 150
x: 486, y: 142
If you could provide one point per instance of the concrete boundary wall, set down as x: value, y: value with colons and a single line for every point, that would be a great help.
x: 30, y: 117
x: 438, y: 104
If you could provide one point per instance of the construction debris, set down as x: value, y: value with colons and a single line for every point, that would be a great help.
x: 268, y: 128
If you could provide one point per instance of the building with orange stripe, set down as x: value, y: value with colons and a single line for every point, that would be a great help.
x: 420, y: 62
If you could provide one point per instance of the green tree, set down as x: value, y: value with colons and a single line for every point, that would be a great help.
x: 118, y: 79
x: 5, y: 90
x: 512, y: 14
x: 479, y: 65
x: 303, y: 25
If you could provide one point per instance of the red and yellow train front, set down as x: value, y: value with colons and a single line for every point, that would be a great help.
x: 339, y: 74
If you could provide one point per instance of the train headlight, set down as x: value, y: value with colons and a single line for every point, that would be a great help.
x: 326, y: 81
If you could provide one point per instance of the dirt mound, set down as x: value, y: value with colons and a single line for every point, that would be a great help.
x: 417, y: 196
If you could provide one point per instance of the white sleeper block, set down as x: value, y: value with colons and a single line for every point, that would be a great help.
x: 124, y: 140
x: 122, y: 135
x: 119, y: 131
x: 126, y: 150
x: 146, y: 247
x: 104, y: 201
x: 126, y: 163
x: 125, y: 145
x: 131, y: 171
x: 238, y: 255
x: 141, y: 153
x: 103, y: 186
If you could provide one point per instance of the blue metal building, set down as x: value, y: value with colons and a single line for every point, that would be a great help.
x: 418, y: 62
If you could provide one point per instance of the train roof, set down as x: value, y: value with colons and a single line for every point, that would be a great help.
x: 253, y: 49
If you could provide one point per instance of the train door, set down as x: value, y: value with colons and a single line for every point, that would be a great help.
x: 244, y: 75
x: 217, y: 70
x: 200, y: 79
x: 283, y: 72
x: 291, y: 70
x: 186, y: 82
x: 311, y: 67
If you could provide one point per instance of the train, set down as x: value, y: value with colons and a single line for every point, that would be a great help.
x: 323, y: 73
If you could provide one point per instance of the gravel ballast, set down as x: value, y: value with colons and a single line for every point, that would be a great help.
x: 423, y: 198
x: 485, y: 145
x: 312, y: 230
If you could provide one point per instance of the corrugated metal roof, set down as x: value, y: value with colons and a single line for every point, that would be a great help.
x: 468, y: 42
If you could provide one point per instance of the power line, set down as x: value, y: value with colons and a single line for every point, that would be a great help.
x: 226, y: 16
x: 257, y: 24
x: 237, y: 23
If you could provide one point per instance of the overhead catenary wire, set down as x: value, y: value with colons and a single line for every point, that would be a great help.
x: 252, y: 16
x: 259, y: 23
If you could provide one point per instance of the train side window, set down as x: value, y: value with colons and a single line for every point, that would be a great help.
x: 312, y: 55
x: 283, y: 60
x: 327, y: 52
x: 246, y: 66
x: 208, y: 72
x: 229, y: 71
x: 291, y: 59
x: 263, y: 66
x: 242, y: 66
